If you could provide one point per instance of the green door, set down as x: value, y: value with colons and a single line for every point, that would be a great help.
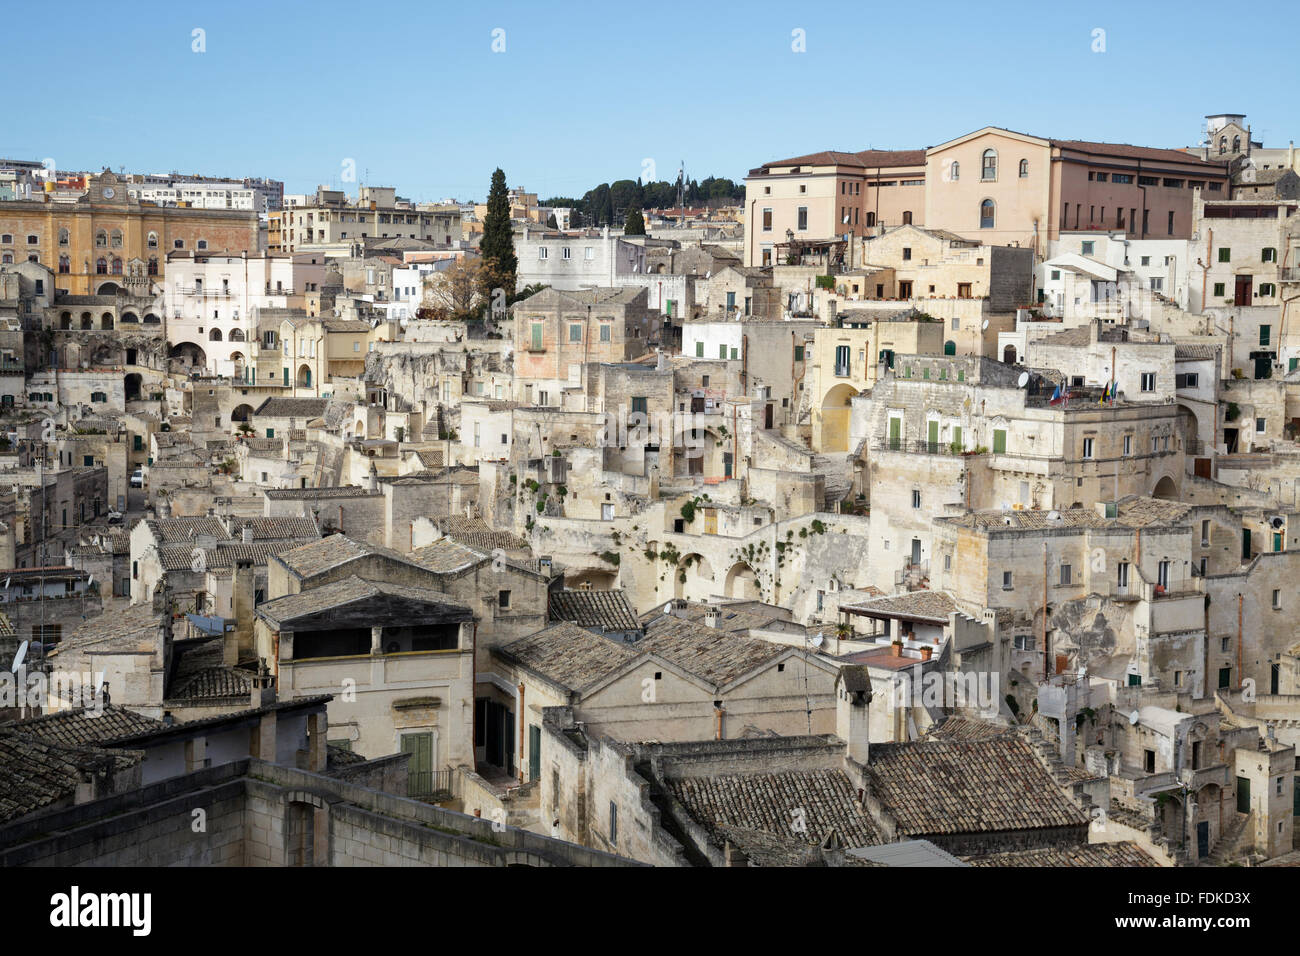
x: 1243, y: 795
x: 895, y: 431
x: 950, y: 347
x: 999, y: 441
x: 956, y: 438
x: 286, y: 376
x: 932, y: 436
x: 534, y: 752
x: 419, y: 771
x: 1277, y: 541
x: 1225, y: 677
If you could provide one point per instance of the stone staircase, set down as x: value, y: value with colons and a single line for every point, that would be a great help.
x: 1236, y: 842
x: 837, y: 470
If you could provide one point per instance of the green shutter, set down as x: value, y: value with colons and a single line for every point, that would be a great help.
x: 999, y: 441
x: 933, y: 435
x: 895, y: 425
x: 956, y: 438
x: 699, y: 350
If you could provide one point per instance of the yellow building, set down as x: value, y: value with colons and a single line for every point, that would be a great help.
x: 94, y: 242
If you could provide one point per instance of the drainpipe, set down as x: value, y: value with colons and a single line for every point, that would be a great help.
x: 522, y: 718
x: 717, y: 722
x: 1239, y: 615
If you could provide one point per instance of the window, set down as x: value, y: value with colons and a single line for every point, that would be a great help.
x: 588, y: 253
x: 1128, y: 445
x: 1085, y: 249
x: 1121, y: 577
x: 541, y: 252
x: 564, y: 253
x: 613, y: 822
x: 1102, y: 177
x: 1266, y: 290
x: 575, y: 332
x: 955, y: 171
x: 767, y: 219
x: 986, y: 214
x: 803, y: 219
x: 1225, y: 254
x: 1087, y: 447
x: 536, y: 344
x: 1148, y: 381
x: 1006, y: 580
x: 1171, y: 222
x: 1259, y: 426
x: 1277, y: 599
x: 916, y: 498
x: 1124, y: 178
x: 907, y: 254
x: 990, y: 168
x: 1024, y: 168
x: 1219, y: 288
x: 999, y: 441
x: 1268, y: 255
x: 1066, y: 572
x: 605, y: 331
x: 963, y: 292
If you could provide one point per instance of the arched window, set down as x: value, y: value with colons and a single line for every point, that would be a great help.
x: 1024, y: 168
x: 871, y: 219
x: 33, y: 240
x: 907, y: 217
x: 990, y: 165
x: 215, y: 335
x: 178, y: 244
x: 153, y: 265
x: 986, y: 214
x: 954, y: 172
x: 7, y: 239
x: 153, y: 240
x: 101, y: 239
x: 65, y: 265
x: 1236, y: 144
x: 7, y: 258
x: 236, y: 335
x: 117, y: 266
x: 201, y: 244
x: 116, y: 239
x: 34, y: 258
x: 1223, y: 144
x: 64, y: 237
x: 101, y: 266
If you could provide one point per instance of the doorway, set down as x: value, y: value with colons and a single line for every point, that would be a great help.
x: 1242, y: 290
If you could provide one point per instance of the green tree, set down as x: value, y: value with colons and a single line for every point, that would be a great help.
x: 551, y: 223
x: 500, y: 265
x: 635, y: 224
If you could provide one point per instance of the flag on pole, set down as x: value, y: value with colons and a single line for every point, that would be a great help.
x: 1056, y: 395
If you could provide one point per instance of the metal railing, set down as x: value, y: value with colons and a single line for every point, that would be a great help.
x: 919, y: 447
x: 429, y: 784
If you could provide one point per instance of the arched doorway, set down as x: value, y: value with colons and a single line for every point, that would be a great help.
x: 950, y: 347
x: 109, y: 288
x: 304, y: 376
x: 742, y: 583
x: 106, y: 322
x: 242, y: 413
x: 1166, y: 489
x: 132, y: 385
x: 1009, y: 355
x: 65, y: 320
x: 835, y: 412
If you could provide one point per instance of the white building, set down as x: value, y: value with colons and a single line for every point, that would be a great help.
x: 212, y: 302
x: 1162, y: 266
x: 572, y: 261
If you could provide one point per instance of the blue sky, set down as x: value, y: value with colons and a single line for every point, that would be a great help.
x: 586, y: 93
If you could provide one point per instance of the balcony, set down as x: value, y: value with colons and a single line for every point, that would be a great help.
x: 919, y: 447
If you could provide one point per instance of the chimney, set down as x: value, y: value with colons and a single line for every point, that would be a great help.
x: 263, y: 693
x: 711, y: 616
x: 853, y: 705
x: 247, y: 535
x: 661, y: 363
x: 239, y: 642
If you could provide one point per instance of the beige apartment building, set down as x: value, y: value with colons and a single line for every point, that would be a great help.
x: 1009, y: 188
x: 823, y: 196
x: 331, y: 218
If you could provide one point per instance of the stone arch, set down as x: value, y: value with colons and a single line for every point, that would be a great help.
x: 190, y: 353
x: 132, y: 385
x: 523, y: 858
x: 151, y: 319
x: 214, y: 335
x: 1165, y: 488
x: 742, y: 582
x: 106, y: 322
x: 1009, y: 355
x: 236, y: 335
x: 87, y: 321
x: 108, y: 288
x: 950, y: 347
x: 835, y: 414
x: 65, y: 320
x: 304, y: 376
x: 692, y: 565
x: 130, y: 318
x: 241, y: 413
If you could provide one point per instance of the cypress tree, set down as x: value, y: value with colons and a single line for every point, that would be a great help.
x: 635, y: 224
x: 500, y: 264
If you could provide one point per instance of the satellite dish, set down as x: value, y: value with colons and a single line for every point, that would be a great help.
x: 1133, y: 718
x: 818, y: 640
x: 1023, y: 380
x: 985, y: 326
x: 668, y: 608
x: 1053, y: 516
x: 18, y: 658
